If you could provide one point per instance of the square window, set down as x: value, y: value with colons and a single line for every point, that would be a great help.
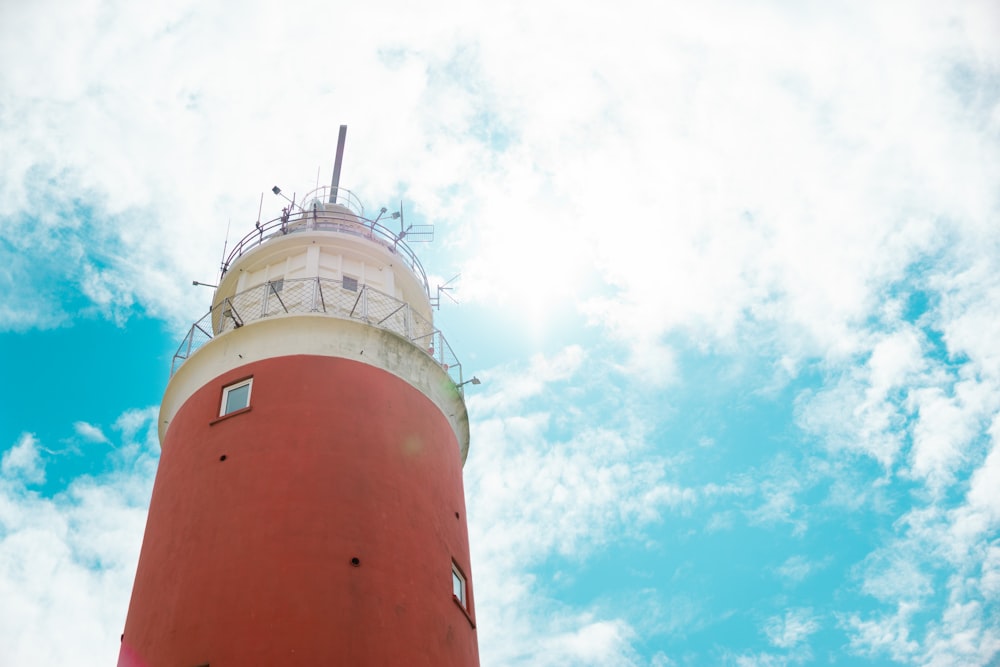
x: 458, y: 585
x: 350, y: 284
x: 278, y: 285
x: 236, y: 397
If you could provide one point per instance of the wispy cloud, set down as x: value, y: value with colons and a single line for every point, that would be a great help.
x: 797, y: 569
x: 791, y: 629
x: 89, y: 432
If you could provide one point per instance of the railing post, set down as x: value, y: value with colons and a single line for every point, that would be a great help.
x: 272, y: 290
x: 234, y: 314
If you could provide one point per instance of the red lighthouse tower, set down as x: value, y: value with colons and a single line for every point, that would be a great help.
x: 308, y: 508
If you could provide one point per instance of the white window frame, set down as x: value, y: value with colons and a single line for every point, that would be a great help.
x: 459, y: 582
x: 248, y: 383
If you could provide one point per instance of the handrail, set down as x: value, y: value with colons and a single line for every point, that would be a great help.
x: 323, y: 297
x: 315, y: 216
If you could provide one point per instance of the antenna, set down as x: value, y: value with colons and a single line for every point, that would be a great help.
x: 413, y: 233
x: 443, y: 289
x: 260, y: 208
x: 335, y: 181
x: 225, y: 244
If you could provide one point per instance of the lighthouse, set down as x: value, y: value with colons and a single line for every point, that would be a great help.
x: 308, y: 507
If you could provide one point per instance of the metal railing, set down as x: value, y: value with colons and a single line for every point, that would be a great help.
x: 312, y: 214
x: 320, y: 296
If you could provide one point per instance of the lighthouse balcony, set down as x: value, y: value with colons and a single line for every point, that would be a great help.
x: 321, y: 297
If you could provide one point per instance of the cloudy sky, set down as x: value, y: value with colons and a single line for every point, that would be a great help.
x: 730, y: 275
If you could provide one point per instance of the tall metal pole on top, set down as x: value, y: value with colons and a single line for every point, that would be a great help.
x: 335, y: 182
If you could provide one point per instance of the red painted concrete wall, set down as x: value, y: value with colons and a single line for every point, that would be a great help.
x: 247, y: 561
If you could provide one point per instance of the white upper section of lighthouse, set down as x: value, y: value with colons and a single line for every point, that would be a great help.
x: 326, y: 259
x: 329, y: 241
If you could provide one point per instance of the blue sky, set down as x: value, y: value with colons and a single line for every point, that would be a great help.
x: 729, y: 275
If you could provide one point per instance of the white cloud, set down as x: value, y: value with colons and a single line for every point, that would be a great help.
x: 519, y: 385
x: 763, y: 181
x: 779, y: 493
x: 991, y: 574
x: 940, y: 436
x: 720, y: 521
x: 67, y: 562
x: 983, y: 496
x: 724, y: 225
x: 534, y: 496
x: 22, y: 461
x: 791, y: 629
x: 891, y: 576
x: 936, y: 543
x: 963, y: 636
x: 797, y: 569
x: 889, y: 633
x: 598, y: 643
x: 895, y: 359
x: 89, y: 432
x: 763, y: 659
x: 967, y: 635
x: 565, y: 492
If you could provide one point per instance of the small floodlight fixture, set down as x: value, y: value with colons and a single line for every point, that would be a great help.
x: 276, y: 190
x: 472, y: 380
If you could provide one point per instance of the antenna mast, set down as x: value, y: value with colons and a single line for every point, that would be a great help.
x: 225, y: 245
x: 335, y: 181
